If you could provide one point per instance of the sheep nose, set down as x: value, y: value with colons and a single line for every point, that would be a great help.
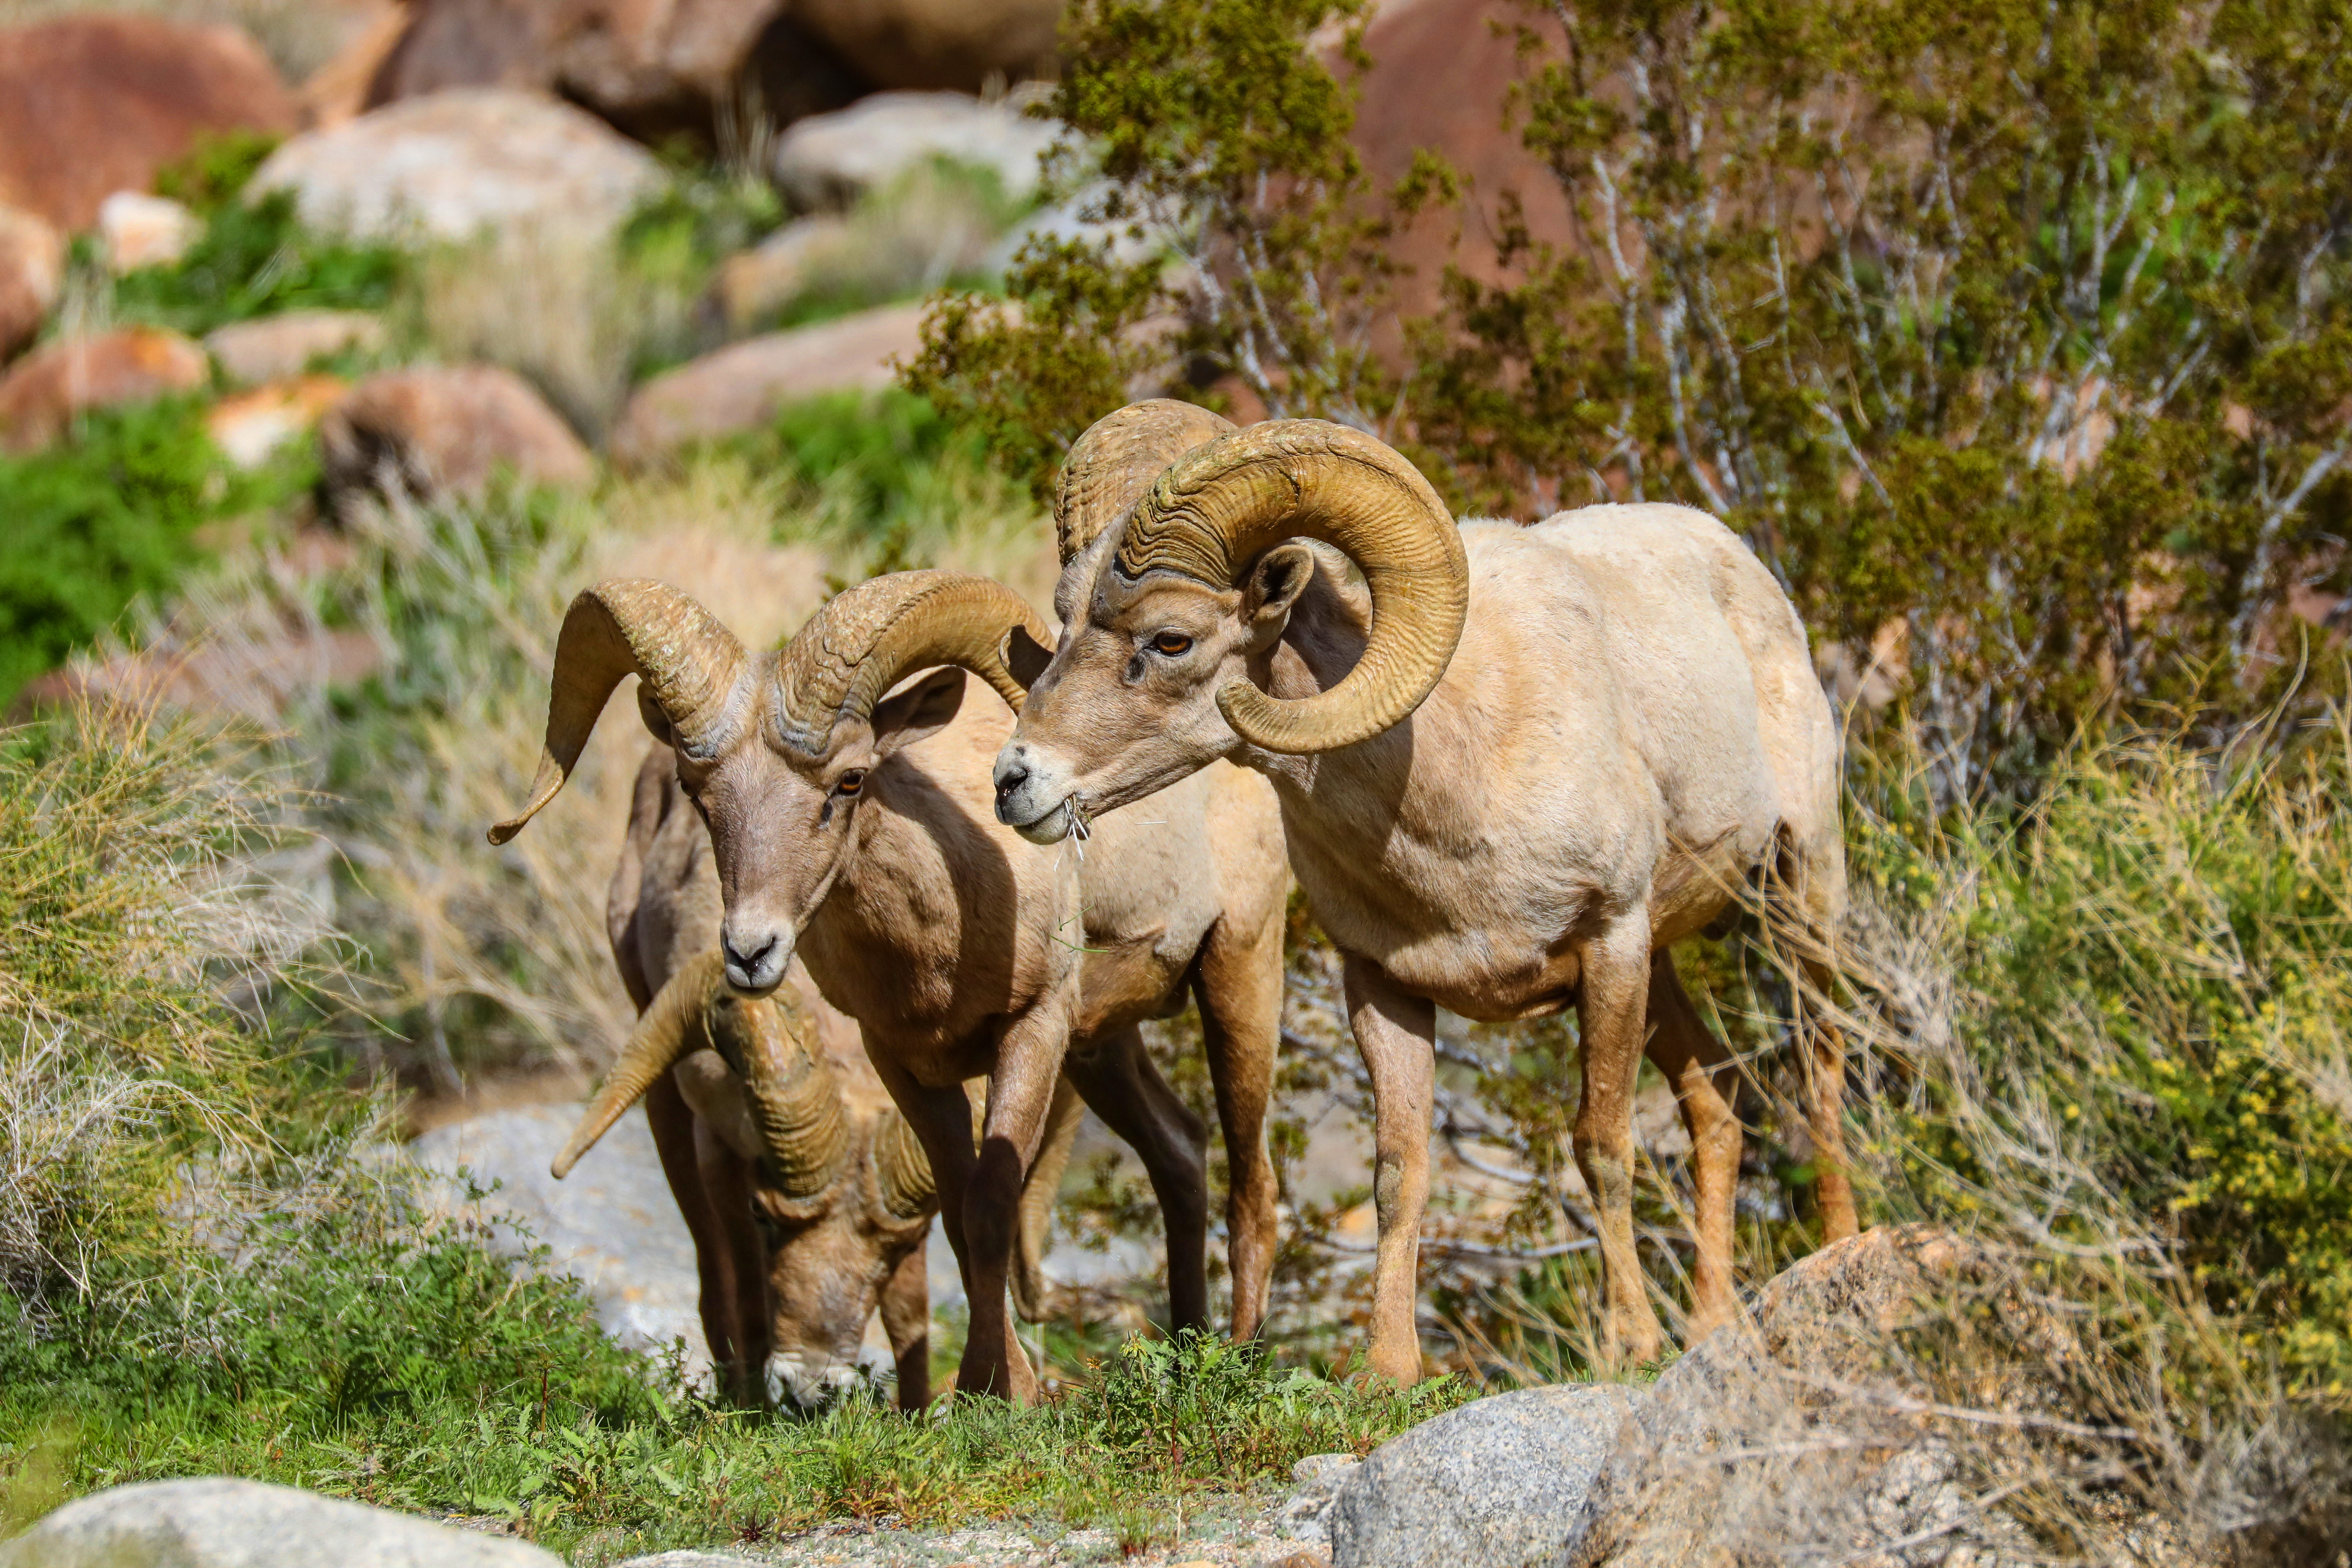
x: 747, y: 970
x: 1011, y: 777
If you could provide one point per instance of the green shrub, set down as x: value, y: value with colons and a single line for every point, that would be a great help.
x: 124, y: 508
x: 257, y: 259
x: 2122, y: 1020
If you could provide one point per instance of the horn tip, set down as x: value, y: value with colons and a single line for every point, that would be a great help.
x: 502, y: 832
x: 560, y: 1166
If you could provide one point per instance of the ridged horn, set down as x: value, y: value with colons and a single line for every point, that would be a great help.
x: 691, y: 664
x: 671, y: 1026
x: 870, y: 636
x: 902, y: 1169
x: 1216, y: 509
x: 795, y: 1099
x: 1115, y: 460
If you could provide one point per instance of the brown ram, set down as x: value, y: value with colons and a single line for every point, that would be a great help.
x: 808, y: 1202
x: 854, y: 829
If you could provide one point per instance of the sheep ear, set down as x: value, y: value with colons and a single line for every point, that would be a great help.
x: 1272, y: 585
x: 1024, y: 656
x: 920, y: 711
x: 656, y: 722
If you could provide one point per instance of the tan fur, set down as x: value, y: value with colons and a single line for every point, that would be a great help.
x: 961, y: 950
x: 1628, y: 730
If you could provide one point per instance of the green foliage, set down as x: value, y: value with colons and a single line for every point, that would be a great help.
x: 217, y: 171
x: 1219, y: 142
x: 256, y: 260
x: 2144, y: 1046
x: 121, y: 510
x: 2016, y: 331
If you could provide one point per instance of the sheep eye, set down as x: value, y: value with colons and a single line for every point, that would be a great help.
x: 1171, y: 644
x: 851, y: 782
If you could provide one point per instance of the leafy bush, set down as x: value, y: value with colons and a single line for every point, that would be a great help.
x: 2121, y: 1015
x: 121, y: 510
x: 256, y: 260
x: 1205, y: 131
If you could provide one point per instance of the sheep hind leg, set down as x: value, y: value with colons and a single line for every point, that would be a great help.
x: 1823, y: 1045
x: 1609, y: 1014
x: 1704, y: 1082
x: 1239, y: 989
x: 1119, y: 1080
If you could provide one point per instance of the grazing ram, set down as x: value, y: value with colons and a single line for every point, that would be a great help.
x: 855, y: 830
x: 1516, y: 766
x: 807, y: 1199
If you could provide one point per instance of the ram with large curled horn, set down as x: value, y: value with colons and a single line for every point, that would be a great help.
x: 807, y: 1197
x: 1517, y: 765
x: 851, y: 822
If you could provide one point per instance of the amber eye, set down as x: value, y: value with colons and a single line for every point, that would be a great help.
x: 1171, y: 644
x: 851, y: 782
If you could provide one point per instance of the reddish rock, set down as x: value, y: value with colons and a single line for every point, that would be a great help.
x: 32, y: 269
x: 650, y: 69
x: 1439, y: 78
x: 250, y: 425
x: 273, y: 348
x: 42, y: 392
x: 94, y: 104
x: 740, y: 387
x: 442, y: 431
x: 953, y: 44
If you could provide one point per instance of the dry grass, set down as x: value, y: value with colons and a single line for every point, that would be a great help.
x: 558, y: 306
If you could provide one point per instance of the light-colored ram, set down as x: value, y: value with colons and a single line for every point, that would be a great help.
x: 808, y: 1208
x: 854, y: 829
x: 1516, y: 766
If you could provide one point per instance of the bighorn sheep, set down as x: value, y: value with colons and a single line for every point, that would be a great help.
x: 1516, y: 766
x: 855, y: 829
x: 793, y: 1255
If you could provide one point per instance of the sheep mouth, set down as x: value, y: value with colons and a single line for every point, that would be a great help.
x: 1056, y: 821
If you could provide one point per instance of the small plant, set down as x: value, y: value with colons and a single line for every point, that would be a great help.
x: 123, y: 509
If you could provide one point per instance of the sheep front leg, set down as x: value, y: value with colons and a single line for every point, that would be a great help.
x: 1398, y: 1036
x: 1239, y: 989
x: 1020, y: 1092
x: 1611, y: 1023
x: 1120, y: 1082
x: 907, y: 1320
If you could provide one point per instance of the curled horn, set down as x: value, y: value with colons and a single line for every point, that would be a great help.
x: 1216, y: 509
x: 671, y: 1026
x: 869, y: 637
x: 690, y: 663
x: 902, y: 1169
x: 772, y: 1043
x: 1117, y: 459
x: 795, y: 1101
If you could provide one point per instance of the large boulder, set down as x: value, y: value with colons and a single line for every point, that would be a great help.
x: 32, y: 269
x: 453, y: 165
x: 443, y: 431
x: 1809, y: 1435
x: 831, y: 160
x: 960, y: 46
x: 651, y: 69
x: 1499, y: 1482
x: 218, y: 1522
x: 272, y: 348
x: 43, y: 392
x: 94, y: 104
x: 742, y: 386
